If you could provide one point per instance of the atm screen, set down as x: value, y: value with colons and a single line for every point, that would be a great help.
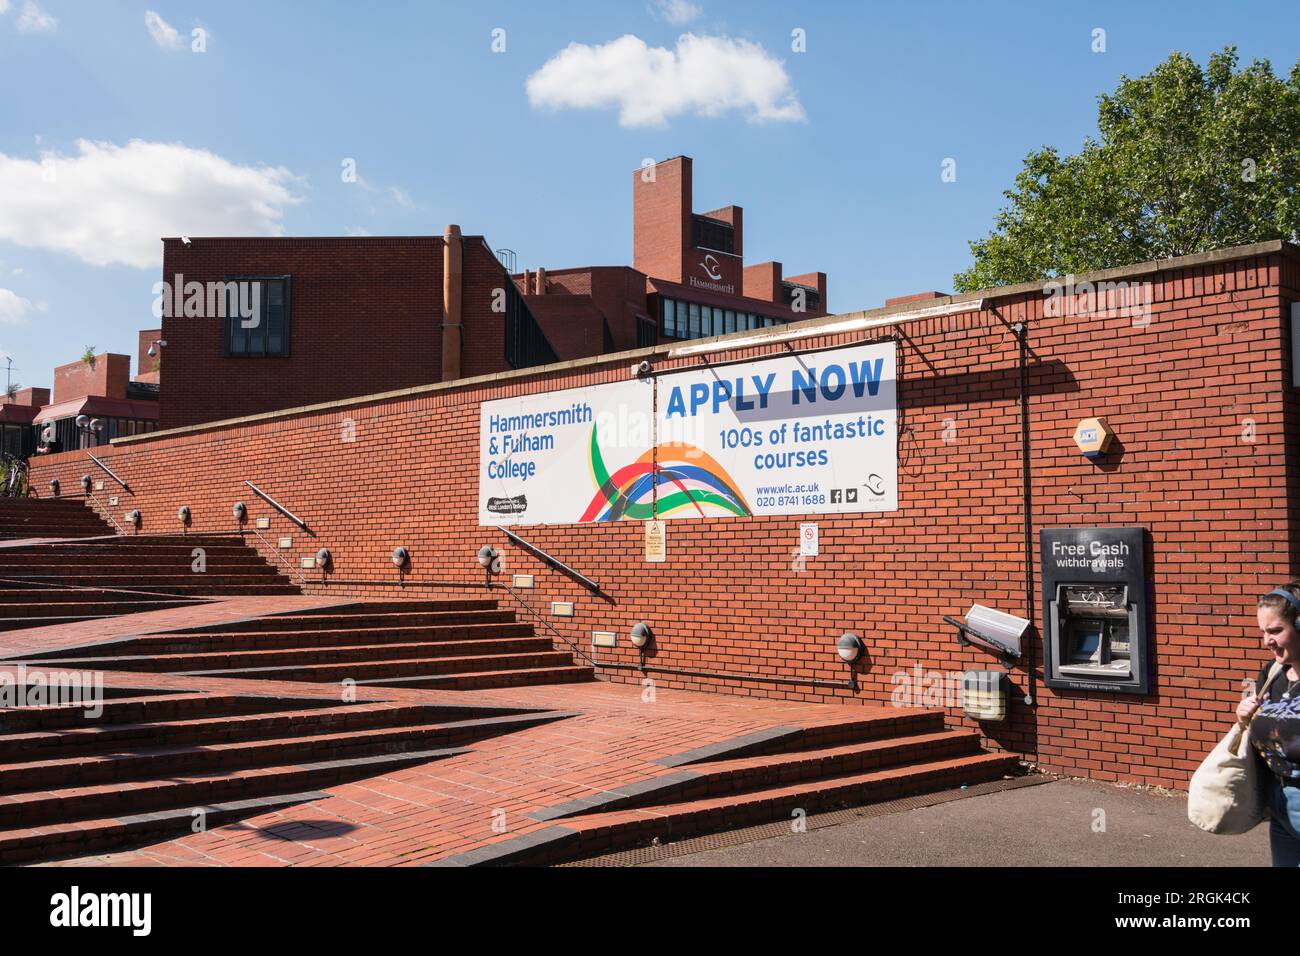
x: 1088, y: 637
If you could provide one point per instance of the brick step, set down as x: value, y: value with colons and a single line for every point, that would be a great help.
x: 89, y: 608
x: 35, y: 532
x: 489, y: 680
x: 339, y: 623
x: 30, y: 527
x: 882, y: 725
x: 86, y: 837
x: 419, y: 666
x: 169, y: 643
x: 177, y: 790
x: 62, y: 742
x: 621, y: 829
x: 146, y: 582
x: 118, y: 551
x: 146, y: 708
x: 33, y: 501
x: 75, y: 571
x: 408, y: 607
x: 304, y: 746
x: 237, y: 660
x: 752, y: 774
x: 56, y: 564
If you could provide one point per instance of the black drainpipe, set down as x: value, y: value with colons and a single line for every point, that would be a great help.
x: 1021, y: 330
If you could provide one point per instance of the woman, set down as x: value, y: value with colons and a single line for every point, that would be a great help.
x: 1274, y: 705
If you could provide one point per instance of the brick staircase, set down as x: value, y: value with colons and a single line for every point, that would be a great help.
x: 851, y: 763
x: 440, y: 645
x: 49, y: 518
x: 140, y: 772
x: 86, y: 578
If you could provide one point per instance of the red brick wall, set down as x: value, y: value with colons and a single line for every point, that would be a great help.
x: 661, y: 219
x: 366, y: 316
x: 729, y: 598
x: 106, y: 376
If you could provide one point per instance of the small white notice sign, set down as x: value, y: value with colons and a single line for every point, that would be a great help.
x: 808, y: 540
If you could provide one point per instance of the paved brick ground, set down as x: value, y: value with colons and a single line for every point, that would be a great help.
x: 447, y: 807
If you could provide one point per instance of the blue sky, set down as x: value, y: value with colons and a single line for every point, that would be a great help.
x: 834, y: 152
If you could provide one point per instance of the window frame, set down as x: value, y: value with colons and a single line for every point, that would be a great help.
x: 228, y: 323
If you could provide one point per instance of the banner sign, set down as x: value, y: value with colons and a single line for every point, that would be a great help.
x: 544, y: 459
x: 809, y: 433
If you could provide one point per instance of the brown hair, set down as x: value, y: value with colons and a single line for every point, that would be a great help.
x: 1285, y: 609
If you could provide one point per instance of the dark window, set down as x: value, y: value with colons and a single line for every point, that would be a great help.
x: 713, y: 234
x: 645, y: 334
x: 267, y: 332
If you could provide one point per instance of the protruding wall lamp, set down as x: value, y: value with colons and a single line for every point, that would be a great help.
x: 489, y: 559
x: 240, y: 511
x: 133, y: 519
x: 183, y: 514
x: 85, y: 483
x: 324, y: 559
x: 401, y: 558
x: 849, y: 648
x: 54, y: 487
x: 641, y: 637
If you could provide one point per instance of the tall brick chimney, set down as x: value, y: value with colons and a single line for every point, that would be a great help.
x: 452, y: 330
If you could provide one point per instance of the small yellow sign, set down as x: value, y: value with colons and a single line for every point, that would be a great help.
x: 656, y: 541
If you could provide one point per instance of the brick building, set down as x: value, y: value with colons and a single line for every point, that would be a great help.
x: 99, y: 392
x: 348, y: 316
x: 991, y: 388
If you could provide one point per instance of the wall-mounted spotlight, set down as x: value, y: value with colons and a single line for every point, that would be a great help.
x: 324, y: 559
x: 183, y: 513
x: 489, y: 559
x: 640, y: 635
x: 154, y: 346
x: 133, y: 518
x: 849, y: 647
x: 401, y: 558
x: 85, y: 483
x: 240, y: 511
x: 54, y: 487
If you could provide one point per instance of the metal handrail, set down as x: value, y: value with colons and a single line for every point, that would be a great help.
x: 302, y: 579
x: 555, y: 562
x: 537, y: 614
x: 277, y: 506
x: 105, y: 512
x: 109, y: 471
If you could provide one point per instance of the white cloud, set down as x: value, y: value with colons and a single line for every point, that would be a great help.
x: 163, y: 33
x: 706, y: 76
x: 111, y: 204
x: 14, y: 309
x: 678, y: 12
x: 35, y: 20
x: 358, y: 231
x: 4, y: 7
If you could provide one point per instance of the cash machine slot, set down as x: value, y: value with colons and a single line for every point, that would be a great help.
x: 1092, y: 626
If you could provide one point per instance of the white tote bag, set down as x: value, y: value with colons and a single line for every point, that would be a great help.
x: 1224, y: 795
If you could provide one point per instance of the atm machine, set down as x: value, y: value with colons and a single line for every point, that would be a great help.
x: 1096, y: 626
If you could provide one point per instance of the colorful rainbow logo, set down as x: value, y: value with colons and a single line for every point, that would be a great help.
x: 629, y: 493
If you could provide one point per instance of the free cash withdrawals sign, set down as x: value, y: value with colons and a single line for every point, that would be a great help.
x: 808, y: 433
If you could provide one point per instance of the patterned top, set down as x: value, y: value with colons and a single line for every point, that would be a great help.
x: 1275, y: 731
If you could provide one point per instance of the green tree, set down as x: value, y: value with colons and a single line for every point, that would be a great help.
x: 1188, y: 160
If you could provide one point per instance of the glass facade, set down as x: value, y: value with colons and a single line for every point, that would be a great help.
x: 690, y: 320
